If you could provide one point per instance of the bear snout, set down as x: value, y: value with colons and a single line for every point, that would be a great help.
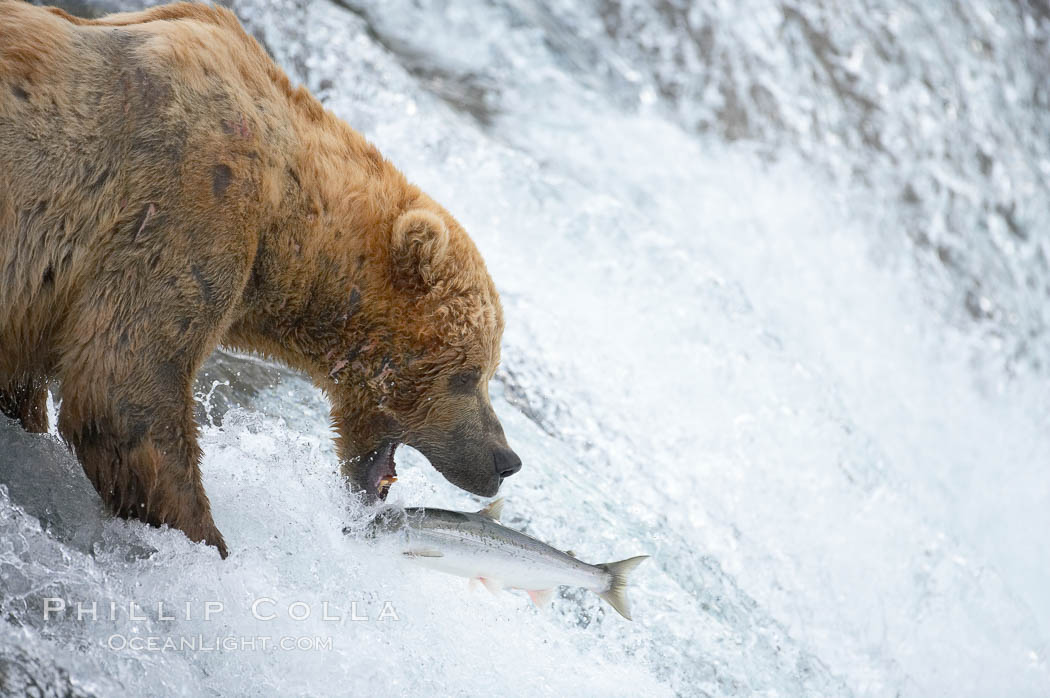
x: 505, y: 461
x: 477, y: 465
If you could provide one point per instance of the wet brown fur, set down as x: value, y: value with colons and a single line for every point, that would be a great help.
x: 165, y: 189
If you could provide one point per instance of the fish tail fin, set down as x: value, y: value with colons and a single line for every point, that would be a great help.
x: 616, y: 594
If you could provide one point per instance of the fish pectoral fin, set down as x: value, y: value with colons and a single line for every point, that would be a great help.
x: 494, y: 510
x: 541, y: 597
x: 423, y: 552
x: 492, y: 585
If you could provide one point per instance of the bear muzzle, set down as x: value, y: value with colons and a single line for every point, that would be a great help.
x: 376, y: 473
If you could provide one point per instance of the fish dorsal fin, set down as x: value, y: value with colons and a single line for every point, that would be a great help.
x: 493, y: 510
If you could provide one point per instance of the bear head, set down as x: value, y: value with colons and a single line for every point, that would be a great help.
x: 414, y: 365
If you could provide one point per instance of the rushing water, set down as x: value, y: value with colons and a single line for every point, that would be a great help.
x: 775, y: 278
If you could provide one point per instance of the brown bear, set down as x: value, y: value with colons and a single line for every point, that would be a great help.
x: 164, y: 189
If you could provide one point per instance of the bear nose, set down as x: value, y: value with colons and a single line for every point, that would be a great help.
x: 506, y: 461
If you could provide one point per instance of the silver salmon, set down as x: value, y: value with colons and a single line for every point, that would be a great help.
x: 477, y: 546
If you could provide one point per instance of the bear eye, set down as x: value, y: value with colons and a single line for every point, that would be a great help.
x: 464, y: 381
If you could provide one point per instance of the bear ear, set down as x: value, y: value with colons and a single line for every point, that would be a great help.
x: 418, y: 245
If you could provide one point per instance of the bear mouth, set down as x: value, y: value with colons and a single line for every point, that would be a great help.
x: 380, y: 473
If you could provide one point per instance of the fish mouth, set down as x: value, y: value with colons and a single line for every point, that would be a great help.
x: 379, y: 472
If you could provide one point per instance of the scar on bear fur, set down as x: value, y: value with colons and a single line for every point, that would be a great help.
x: 164, y: 189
